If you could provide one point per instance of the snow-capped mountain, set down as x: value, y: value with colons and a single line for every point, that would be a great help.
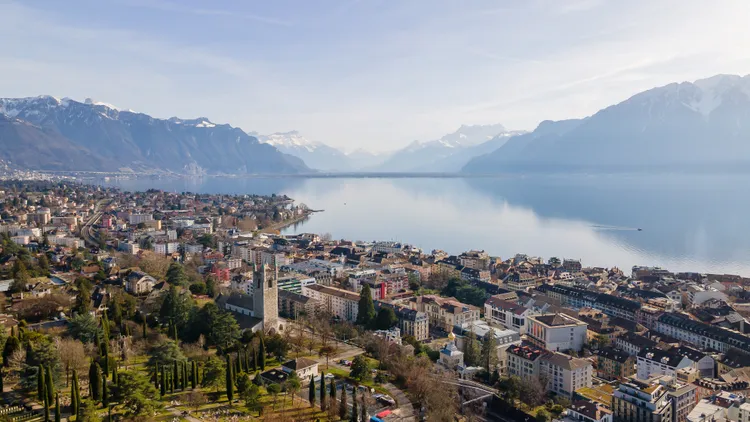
x: 450, y: 152
x: 63, y: 134
x: 685, y: 125
x: 316, y: 155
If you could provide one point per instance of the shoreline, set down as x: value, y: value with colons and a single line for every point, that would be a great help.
x: 278, y: 227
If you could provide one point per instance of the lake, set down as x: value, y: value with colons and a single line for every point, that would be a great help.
x: 689, y: 222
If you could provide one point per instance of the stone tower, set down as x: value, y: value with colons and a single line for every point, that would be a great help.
x: 266, y: 296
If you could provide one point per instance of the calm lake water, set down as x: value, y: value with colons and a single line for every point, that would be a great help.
x: 689, y: 223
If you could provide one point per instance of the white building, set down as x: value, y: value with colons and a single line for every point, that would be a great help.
x: 140, y: 218
x: 507, y: 314
x: 565, y: 374
x: 337, y: 302
x: 557, y: 332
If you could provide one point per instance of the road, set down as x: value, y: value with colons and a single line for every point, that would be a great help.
x: 87, y: 232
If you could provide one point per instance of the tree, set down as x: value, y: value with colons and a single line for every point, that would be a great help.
x: 252, y: 397
x: 293, y: 385
x: 355, y: 407
x: 601, y: 341
x: 72, y: 355
x: 12, y: 344
x: 83, y: 298
x: 40, y: 383
x: 471, y: 349
x: 164, y: 353
x: 196, y: 399
x: 311, y: 391
x: 229, y: 379
x: 115, y: 312
x: 274, y: 390
x: 223, y: 330
x: 50, y: 385
x: 343, y: 405
x: 360, y: 369
x: 176, y: 306
x: 542, y: 415
x: 87, y: 411
x: 213, y: 373
x: 212, y: 290
x: 176, y: 274
x: 323, y: 402
x: 163, y: 383
x: 262, y: 354
x: 75, y: 393
x: 511, y: 387
x: 386, y: 319
x: 489, y: 351
x: 105, y: 393
x: 194, y: 375
x: 57, y: 408
x: 95, y: 381
x: 136, y: 393
x: 366, y: 308
x: 84, y: 327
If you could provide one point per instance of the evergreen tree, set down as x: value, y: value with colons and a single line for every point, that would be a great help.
x: 74, y: 393
x: 255, y: 359
x: 143, y: 326
x: 262, y: 355
x: 95, y: 381
x: 105, y: 355
x: 323, y: 403
x: 46, y: 404
x: 489, y: 351
x: 105, y: 393
x: 185, y: 380
x: 57, y: 408
x: 2, y: 383
x: 163, y: 386
x: 343, y: 405
x: 194, y: 373
x: 363, y: 409
x: 366, y: 307
x: 40, y: 383
x: 11, y: 345
x: 229, y: 379
x: 333, y: 390
x: 175, y: 378
x: 355, y: 408
x: 471, y: 349
x: 311, y: 393
x: 114, y: 375
x: 50, y: 387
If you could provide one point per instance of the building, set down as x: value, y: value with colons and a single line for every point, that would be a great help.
x: 565, y: 374
x: 136, y: 219
x: 503, y: 340
x: 641, y: 401
x: 588, y: 411
x: 305, y: 368
x: 724, y: 406
x: 259, y: 311
x: 557, y: 332
x: 445, y: 313
x: 478, y: 260
x: 701, y: 335
x: 294, y: 282
x: 521, y: 281
x: 654, y: 362
x: 292, y: 305
x: 451, y: 357
x: 633, y: 343
x: 613, y: 364
x: 339, y: 303
x: 506, y: 314
x: 138, y: 283
x: 524, y: 361
x: 411, y: 322
x: 577, y: 298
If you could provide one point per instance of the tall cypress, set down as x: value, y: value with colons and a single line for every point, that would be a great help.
x: 2, y: 384
x: 255, y: 359
x: 40, y: 383
x: 363, y: 409
x: 143, y: 327
x: 50, y: 387
x: 230, y: 377
x: 323, y: 402
x: 163, y: 386
x: 114, y: 375
x: 175, y: 380
x: 74, y: 393
x: 333, y: 390
x: 57, y: 408
x: 174, y: 332
x: 241, y: 361
x: 343, y: 405
x: 105, y: 393
x: 105, y: 355
x: 157, y: 375
x: 355, y: 408
x: 95, y: 381
x: 237, y: 365
x: 311, y: 395
x: 185, y: 381
x: 194, y: 374
x: 262, y: 355
x: 46, y: 403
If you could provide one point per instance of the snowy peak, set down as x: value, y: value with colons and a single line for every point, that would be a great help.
x: 289, y: 140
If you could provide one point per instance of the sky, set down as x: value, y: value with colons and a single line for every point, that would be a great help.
x: 372, y: 74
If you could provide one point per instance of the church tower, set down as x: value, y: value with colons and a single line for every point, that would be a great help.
x: 266, y: 296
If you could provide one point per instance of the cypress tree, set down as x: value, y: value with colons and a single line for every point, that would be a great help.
x: 255, y: 359
x: 157, y: 374
x: 230, y: 377
x: 311, y: 395
x: 105, y: 355
x: 343, y: 405
x: 57, y: 408
x: 95, y: 381
x: 2, y: 384
x: 174, y: 332
x: 143, y: 326
x: 46, y: 403
x: 40, y: 383
x: 323, y: 403
x: 262, y: 355
x: 355, y: 408
x: 114, y: 375
x: 105, y: 393
x: 50, y: 387
x: 186, y: 381
x: 241, y: 361
x: 175, y: 379
x: 163, y: 386
x: 363, y: 409
x: 333, y: 390
x: 194, y: 374
x: 237, y: 365
x: 74, y: 398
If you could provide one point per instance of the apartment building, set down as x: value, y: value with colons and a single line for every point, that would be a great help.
x: 699, y: 334
x: 507, y: 314
x: 337, y: 302
x: 411, y: 322
x: 565, y: 374
x: 613, y: 364
x: 524, y: 361
x: 641, y: 401
x: 576, y: 298
x: 557, y: 332
x: 478, y: 260
x: 445, y: 313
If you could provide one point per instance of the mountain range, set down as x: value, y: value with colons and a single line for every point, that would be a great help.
x: 46, y: 133
x: 689, y: 125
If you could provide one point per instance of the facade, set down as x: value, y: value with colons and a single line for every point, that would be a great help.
x: 524, y: 361
x: 305, y: 368
x: 507, y: 314
x: 266, y: 297
x: 292, y: 305
x: 557, y: 332
x: 139, y: 283
x: 478, y: 260
x: 451, y: 357
x: 577, y: 298
x: 701, y: 335
x: 641, y: 401
x: 587, y: 411
x: 613, y: 364
x: 655, y: 362
x: 411, y: 322
x: 337, y: 302
x: 565, y: 374
x: 633, y: 343
x: 445, y: 313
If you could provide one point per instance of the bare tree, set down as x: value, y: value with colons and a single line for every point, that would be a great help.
x: 72, y: 355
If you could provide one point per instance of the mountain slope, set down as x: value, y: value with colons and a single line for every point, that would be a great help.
x: 316, y: 155
x: 124, y: 139
x: 687, y: 124
x: 435, y: 156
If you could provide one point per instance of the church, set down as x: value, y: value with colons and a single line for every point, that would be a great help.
x: 259, y: 311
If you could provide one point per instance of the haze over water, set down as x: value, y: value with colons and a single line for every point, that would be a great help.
x: 689, y: 223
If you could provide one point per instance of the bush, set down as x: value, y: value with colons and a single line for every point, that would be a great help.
x: 198, y: 288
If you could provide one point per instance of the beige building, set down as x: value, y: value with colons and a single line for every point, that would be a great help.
x: 446, y: 313
x: 556, y: 332
x: 337, y: 302
x: 565, y: 374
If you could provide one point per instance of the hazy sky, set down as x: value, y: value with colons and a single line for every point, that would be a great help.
x: 370, y: 73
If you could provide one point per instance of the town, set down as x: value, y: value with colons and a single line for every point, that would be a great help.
x: 180, y: 306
